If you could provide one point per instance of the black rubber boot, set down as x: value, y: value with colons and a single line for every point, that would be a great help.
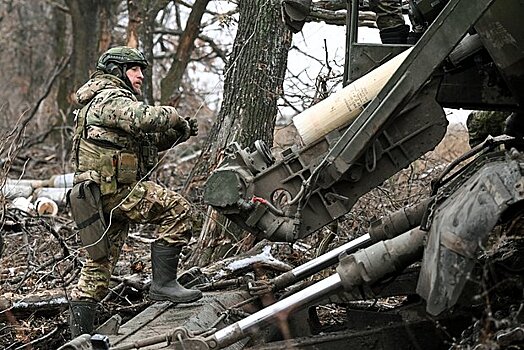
x: 413, y: 37
x: 514, y: 125
x: 164, y: 286
x: 81, y: 317
x: 395, y: 35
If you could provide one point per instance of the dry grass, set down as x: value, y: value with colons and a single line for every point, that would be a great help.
x: 43, y: 255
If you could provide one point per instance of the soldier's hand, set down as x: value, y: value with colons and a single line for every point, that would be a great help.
x: 183, y: 129
x: 193, y: 126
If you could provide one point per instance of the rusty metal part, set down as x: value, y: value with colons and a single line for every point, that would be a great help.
x: 381, y: 259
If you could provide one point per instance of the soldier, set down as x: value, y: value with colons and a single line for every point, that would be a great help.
x: 115, y: 147
x: 390, y: 22
x: 482, y: 124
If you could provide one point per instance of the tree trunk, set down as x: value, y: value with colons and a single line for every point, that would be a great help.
x: 139, y: 27
x: 61, y: 50
x: 253, y: 83
x: 186, y: 44
x: 90, y: 20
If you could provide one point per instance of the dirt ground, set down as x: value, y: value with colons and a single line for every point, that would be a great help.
x: 41, y: 258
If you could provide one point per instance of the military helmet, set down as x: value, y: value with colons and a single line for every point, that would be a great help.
x: 121, y: 56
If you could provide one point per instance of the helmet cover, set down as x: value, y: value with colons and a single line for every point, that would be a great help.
x: 121, y: 56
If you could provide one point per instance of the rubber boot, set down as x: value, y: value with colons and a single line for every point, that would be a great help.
x: 81, y: 317
x: 395, y: 35
x: 413, y: 37
x: 164, y: 286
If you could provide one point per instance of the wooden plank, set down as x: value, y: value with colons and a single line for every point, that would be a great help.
x: 161, y: 318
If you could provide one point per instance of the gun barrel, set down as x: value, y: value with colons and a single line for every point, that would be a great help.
x: 279, y: 310
x: 318, y: 264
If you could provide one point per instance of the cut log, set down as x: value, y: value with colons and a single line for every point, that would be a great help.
x: 45, y: 301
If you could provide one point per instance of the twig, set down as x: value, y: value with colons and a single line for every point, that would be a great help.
x: 37, y: 340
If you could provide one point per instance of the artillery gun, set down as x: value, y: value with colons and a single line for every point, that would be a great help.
x: 471, y: 56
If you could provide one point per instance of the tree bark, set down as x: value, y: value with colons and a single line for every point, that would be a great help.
x: 61, y: 50
x: 90, y: 20
x: 253, y: 84
x: 136, y: 14
x: 171, y: 82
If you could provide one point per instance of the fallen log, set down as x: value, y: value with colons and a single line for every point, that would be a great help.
x: 50, y: 301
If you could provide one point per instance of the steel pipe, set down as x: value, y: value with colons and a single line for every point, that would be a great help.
x: 279, y: 310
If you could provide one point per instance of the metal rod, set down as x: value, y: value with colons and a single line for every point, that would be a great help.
x: 387, y: 227
x: 365, y: 266
x: 318, y: 264
x: 279, y: 310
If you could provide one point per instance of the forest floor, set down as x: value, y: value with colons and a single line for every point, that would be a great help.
x: 41, y: 259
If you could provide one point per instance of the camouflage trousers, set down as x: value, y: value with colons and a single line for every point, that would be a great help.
x: 147, y: 202
x: 389, y: 13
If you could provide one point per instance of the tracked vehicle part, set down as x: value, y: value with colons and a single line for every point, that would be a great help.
x: 437, y: 43
x: 466, y: 210
x: 400, y: 221
x: 157, y: 324
x: 397, y: 253
x: 503, y: 38
x: 389, y: 335
x: 381, y: 259
x: 387, y: 227
x: 318, y: 264
x: 272, y: 201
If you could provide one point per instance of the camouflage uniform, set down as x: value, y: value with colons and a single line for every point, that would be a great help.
x: 481, y: 124
x: 390, y: 21
x: 389, y: 13
x: 115, y: 123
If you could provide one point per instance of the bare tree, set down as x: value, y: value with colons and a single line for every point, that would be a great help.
x: 253, y: 83
x: 172, y: 80
x: 91, y: 21
x: 27, y: 56
x: 140, y: 29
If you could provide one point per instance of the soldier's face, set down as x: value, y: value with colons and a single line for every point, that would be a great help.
x: 136, y: 77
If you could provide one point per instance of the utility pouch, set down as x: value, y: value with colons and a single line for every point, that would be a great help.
x: 149, y: 157
x: 108, y: 164
x: 127, y: 168
x: 86, y: 209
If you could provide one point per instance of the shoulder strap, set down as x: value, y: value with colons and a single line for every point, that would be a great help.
x: 80, y: 131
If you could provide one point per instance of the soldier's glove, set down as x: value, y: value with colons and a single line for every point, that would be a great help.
x: 187, y: 127
x: 184, y: 129
x: 193, y: 126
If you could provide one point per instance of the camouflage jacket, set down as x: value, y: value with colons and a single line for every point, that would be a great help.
x: 114, y: 125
